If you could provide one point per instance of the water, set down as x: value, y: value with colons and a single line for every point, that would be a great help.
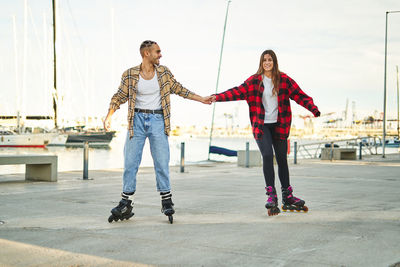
x: 196, y: 150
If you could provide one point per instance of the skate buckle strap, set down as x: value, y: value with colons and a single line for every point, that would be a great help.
x: 293, y: 197
x: 269, y: 189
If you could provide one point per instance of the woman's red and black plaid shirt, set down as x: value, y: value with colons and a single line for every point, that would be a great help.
x: 252, y: 90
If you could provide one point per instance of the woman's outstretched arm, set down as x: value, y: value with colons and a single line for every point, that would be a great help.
x: 301, y: 98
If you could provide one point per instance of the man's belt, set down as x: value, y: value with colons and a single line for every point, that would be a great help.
x: 150, y: 111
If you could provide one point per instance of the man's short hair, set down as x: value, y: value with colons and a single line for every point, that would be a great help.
x: 144, y: 45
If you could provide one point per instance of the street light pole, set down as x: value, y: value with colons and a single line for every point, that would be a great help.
x: 384, y: 86
x: 54, y: 64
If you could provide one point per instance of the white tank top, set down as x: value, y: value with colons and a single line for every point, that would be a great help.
x: 148, y: 95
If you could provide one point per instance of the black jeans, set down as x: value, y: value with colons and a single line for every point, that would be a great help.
x: 265, y: 145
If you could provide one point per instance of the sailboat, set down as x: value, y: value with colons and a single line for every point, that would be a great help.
x: 76, y: 135
x: 20, y: 137
x: 60, y: 136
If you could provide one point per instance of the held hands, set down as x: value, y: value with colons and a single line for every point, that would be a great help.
x: 208, y: 99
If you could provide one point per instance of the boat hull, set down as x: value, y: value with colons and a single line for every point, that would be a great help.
x: 24, y: 140
x: 95, y: 137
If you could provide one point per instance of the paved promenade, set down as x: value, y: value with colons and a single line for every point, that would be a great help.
x: 220, y: 220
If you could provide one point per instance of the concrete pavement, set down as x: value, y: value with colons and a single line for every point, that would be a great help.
x: 220, y: 220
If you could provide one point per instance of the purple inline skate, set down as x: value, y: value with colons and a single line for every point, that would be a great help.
x: 291, y: 202
x: 272, y: 202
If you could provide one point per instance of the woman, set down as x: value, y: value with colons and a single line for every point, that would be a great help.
x: 267, y: 93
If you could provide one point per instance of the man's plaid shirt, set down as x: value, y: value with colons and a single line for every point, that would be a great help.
x: 128, y: 89
x: 252, y: 90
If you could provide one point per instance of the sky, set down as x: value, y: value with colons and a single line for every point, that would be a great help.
x: 334, y: 50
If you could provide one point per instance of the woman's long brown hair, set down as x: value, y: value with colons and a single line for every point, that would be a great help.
x: 276, y: 74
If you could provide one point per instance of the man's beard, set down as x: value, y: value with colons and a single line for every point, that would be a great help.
x: 156, y: 63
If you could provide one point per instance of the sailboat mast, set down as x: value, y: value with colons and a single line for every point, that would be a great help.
x: 18, y: 89
x: 54, y: 65
x: 397, y: 76
x: 219, y: 70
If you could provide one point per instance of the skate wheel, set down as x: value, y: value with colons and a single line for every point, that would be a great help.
x: 298, y: 210
x: 130, y: 216
x: 270, y: 213
x: 305, y: 209
x: 110, y: 219
x: 273, y: 211
x: 171, y: 219
x: 291, y: 210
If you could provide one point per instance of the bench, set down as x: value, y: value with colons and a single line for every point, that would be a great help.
x: 38, y: 167
x: 255, y: 158
x: 338, y: 153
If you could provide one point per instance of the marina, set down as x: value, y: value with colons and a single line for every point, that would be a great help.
x: 66, y: 68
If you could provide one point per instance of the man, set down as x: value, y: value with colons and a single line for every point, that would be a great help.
x: 147, y: 89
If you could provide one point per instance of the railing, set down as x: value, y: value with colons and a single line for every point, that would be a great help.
x: 367, y: 146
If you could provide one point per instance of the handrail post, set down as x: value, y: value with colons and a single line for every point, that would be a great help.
x: 183, y: 157
x: 247, y: 155
x: 86, y: 161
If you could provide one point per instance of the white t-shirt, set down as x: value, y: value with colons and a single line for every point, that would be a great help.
x: 148, y: 95
x: 269, y: 101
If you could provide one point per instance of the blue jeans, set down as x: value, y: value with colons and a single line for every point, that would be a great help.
x: 147, y: 126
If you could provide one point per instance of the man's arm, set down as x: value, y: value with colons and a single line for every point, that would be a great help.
x: 120, y: 97
x: 177, y: 88
x: 204, y: 100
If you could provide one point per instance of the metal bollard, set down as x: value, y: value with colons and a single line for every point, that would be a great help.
x: 183, y: 157
x: 360, y: 156
x: 331, y: 156
x: 247, y: 155
x: 295, y: 152
x: 86, y: 161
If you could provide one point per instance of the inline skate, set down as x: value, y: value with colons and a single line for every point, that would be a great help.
x: 167, y: 206
x: 272, y: 202
x: 292, y: 203
x: 122, y: 212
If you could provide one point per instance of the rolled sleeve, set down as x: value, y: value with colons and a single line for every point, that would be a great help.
x: 121, y: 96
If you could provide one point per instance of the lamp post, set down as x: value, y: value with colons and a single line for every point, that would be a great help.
x: 384, y: 86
